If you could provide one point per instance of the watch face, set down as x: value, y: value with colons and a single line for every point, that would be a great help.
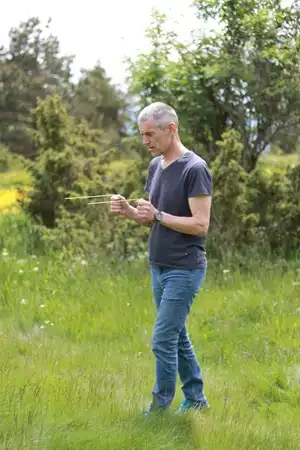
x: 158, y: 215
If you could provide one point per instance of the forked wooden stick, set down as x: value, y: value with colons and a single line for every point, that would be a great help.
x: 89, y: 196
x: 103, y: 203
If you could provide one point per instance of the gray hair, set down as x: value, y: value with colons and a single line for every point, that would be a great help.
x: 160, y: 113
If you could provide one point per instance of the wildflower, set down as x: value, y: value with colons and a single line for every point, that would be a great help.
x: 128, y: 304
x: 296, y: 283
x: 36, y: 269
x: 51, y: 324
x: 23, y: 301
x: 83, y: 262
x: 46, y: 322
x: 42, y: 306
x: 21, y: 271
x: 42, y: 326
x: 4, y: 252
x: 226, y: 271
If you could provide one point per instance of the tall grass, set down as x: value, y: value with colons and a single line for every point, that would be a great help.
x: 77, y: 367
x: 19, y: 235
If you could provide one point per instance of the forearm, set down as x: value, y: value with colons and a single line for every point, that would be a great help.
x: 187, y: 225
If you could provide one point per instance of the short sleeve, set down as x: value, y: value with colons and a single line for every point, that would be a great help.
x: 199, y: 180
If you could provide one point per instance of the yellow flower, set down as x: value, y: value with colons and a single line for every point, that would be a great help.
x: 8, y: 200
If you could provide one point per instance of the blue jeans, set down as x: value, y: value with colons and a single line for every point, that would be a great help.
x: 174, y: 291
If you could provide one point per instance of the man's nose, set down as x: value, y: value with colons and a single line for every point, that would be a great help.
x: 146, y: 140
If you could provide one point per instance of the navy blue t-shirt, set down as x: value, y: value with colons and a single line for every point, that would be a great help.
x: 170, y: 189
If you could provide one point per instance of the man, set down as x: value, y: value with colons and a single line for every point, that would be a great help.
x: 180, y: 188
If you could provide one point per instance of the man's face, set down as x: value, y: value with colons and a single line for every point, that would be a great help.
x: 156, y: 139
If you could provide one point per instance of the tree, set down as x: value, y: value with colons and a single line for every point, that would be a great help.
x: 30, y: 67
x: 244, y: 76
x: 96, y: 100
x: 75, y: 160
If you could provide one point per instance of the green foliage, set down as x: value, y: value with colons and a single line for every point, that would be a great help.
x: 97, y: 101
x: 236, y: 91
x: 252, y: 211
x: 289, y: 219
x: 9, y: 161
x: 4, y: 159
x: 74, y: 160
x: 31, y: 67
x: 276, y: 161
x: 243, y: 76
x: 231, y: 221
x: 19, y: 235
x: 255, y: 210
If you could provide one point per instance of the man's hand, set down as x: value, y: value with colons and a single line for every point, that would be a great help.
x: 119, y: 205
x: 145, y: 211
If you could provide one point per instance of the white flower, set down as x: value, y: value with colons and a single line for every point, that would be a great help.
x: 42, y: 326
x: 51, y: 324
x: 42, y: 306
x: 21, y: 271
x: 23, y: 301
x: 21, y: 261
x: 296, y: 283
x: 128, y: 304
x: 35, y: 269
x: 226, y: 271
x: 83, y: 262
x: 4, y: 252
x: 46, y: 322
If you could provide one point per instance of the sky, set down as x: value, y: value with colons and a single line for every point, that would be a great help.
x: 102, y: 30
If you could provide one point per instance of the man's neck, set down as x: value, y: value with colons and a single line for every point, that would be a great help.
x: 173, y: 154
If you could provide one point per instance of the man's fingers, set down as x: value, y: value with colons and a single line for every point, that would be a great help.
x: 142, y: 201
x: 143, y: 206
x: 116, y: 203
x: 117, y: 200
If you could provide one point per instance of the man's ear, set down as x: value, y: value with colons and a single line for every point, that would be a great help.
x: 172, y: 127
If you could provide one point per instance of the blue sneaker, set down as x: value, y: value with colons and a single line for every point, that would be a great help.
x: 152, y: 409
x: 187, y: 405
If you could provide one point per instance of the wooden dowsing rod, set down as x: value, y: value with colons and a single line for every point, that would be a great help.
x: 103, y: 203
x: 98, y: 196
x: 89, y: 196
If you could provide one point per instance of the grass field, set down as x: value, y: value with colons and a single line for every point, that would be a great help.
x: 77, y: 367
x: 278, y: 163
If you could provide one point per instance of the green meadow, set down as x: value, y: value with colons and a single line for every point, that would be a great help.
x: 77, y: 367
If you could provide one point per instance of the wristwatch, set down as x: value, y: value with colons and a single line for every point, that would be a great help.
x: 158, y: 216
